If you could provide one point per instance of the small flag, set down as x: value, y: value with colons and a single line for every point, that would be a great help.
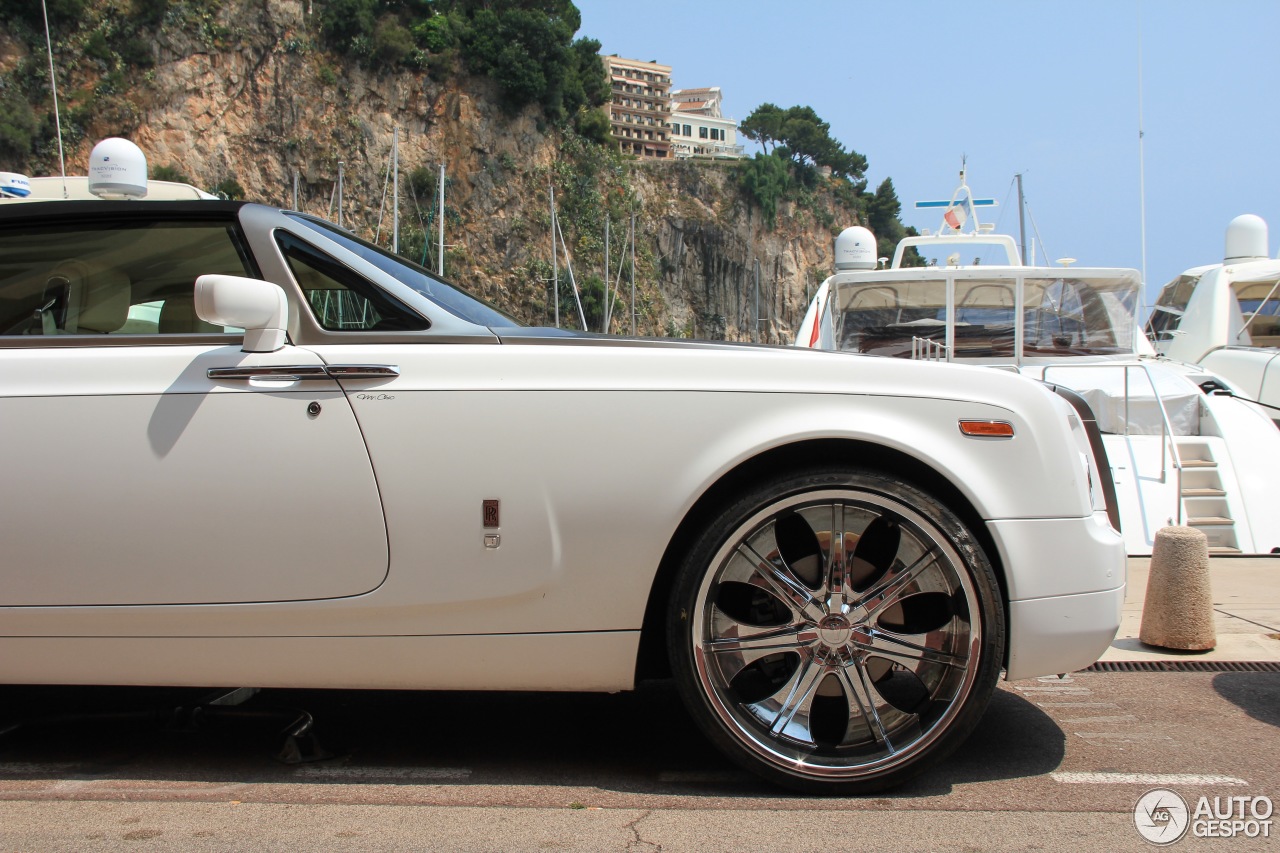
x: 817, y: 321
x: 957, y: 214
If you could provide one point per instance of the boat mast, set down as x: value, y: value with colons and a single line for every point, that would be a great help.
x: 568, y: 259
x: 755, y: 335
x: 555, y: 256
x: 395, y: 190
x: 633, y: 273
x: 558, y: 243
x: 53, y: 84
x: 1142, y: 168
x: 607, y: 283
x: 440, y: 216
x: 1022, y: 222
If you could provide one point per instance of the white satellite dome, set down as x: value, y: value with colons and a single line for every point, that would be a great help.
x: 14, y: 185
x: 1246, y: 238
x: 855, y: 249
x: 117, y: 169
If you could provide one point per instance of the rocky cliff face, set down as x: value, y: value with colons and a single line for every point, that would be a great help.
x: 245, y: 92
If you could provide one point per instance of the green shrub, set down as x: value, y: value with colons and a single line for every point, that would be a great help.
x: 18, y: 127
x: 228, y: 188
x: 435, y: 34
x: 392, y: 43
x: 169, y: 173
x: 96, y: 46
x: 765, y: 180
x: 345, y: 22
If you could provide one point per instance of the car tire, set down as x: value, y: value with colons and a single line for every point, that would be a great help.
x: 836, y: 631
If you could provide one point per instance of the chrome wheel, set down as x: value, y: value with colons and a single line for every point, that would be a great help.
x: 840, y: 637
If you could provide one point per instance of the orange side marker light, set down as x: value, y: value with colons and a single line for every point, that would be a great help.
x: 986, y: 429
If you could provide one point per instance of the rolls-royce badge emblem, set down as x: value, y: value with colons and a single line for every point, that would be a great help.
x: 491, y: 513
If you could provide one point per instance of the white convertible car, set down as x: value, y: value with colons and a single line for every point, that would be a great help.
x: 242, y: 447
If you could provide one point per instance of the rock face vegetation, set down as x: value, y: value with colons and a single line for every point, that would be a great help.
x: 269, y: 100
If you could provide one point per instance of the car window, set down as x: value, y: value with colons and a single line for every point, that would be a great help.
x: 341, y: 300
x: 452, y: 299
x: 130, y: 277
x: 144, y: 319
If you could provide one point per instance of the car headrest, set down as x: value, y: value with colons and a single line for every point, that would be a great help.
x: 98, y: 297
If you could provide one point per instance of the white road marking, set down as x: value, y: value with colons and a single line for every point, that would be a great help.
x: 1123, y: 735
x: 424, y: 774
x: 1145, y: 779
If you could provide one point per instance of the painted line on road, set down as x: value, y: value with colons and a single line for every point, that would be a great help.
x: 1145, y: 779
x: 413, y: 774
x: 1123, y: 736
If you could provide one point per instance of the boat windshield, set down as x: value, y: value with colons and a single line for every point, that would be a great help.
x: 1167, y: 313
x: 1260, y: 304
x: 1061, y: 315
x: 449, y: 297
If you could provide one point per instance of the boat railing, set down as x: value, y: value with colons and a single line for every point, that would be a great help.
x: 1168, y: 446
x: 927, y: 349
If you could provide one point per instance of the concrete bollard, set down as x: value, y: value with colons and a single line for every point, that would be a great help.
x: 1178, y: 610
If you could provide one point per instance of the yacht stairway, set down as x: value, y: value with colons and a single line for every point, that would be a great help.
x: 1205, y: 501
x: 1201, y: 487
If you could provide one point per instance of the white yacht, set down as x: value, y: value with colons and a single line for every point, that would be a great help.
x: 1226, y: 317
x: 1183, y: 448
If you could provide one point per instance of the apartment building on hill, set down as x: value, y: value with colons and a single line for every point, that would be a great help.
x: 647, y: 119
x: 640, y: 113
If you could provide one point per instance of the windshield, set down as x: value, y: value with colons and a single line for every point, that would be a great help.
x: 1260, y: 304
x: 1061, y: 315
x: 1167, y: 313
x: 447, y: 296
x: 1074, y: 316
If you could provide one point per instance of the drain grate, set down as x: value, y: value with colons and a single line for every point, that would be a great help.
x: 1184, y: 666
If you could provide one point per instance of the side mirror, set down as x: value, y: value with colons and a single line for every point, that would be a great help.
x: 259, y: 307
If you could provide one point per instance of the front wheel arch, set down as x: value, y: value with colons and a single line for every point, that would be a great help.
x: 652, y: 658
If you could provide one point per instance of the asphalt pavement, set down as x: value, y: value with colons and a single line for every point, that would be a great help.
x: 1246, y: 613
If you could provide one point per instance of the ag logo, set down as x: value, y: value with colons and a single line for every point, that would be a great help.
x: 1161, y: 816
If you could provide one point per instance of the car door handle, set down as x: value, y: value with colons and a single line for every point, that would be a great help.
x: 362, y: 371
x: 279, y: 373
x: 303, y: 372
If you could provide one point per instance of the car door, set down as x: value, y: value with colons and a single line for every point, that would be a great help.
x: 147, y: 459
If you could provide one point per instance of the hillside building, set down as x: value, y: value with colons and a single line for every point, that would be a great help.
x: 640, y: 113
x: 698, y: 128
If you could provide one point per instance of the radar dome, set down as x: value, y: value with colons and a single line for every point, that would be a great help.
x: 855, y: 249
x: 14, y: 185
x: 1246, y: 238
x: 117, y: 169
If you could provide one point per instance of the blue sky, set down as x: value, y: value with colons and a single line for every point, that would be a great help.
x: 1049, y: 89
